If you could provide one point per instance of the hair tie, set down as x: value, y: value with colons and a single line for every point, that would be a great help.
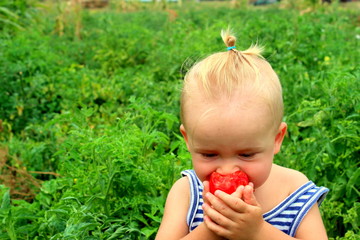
x: 229, y: 48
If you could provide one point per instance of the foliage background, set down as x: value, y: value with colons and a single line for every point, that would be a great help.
x: 89, y: 110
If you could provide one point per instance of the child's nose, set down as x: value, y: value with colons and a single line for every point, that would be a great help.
x: 228, y: 168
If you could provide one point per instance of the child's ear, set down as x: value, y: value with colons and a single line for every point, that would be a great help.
x: 183, y: 132
x: 280, y: 137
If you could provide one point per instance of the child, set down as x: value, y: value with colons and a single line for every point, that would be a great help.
x: 231, y: 112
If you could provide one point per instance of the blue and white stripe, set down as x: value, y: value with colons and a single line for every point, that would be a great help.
x: 195, y: 214
x: 286, y: 216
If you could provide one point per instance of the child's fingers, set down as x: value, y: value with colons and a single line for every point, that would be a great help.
x: 205, y: 190
x: 227, y: 204
x: 215, y: 216
x: 239, y: 192
x: 219, y: 205
x: 219, y: 230
x: 248, y: 196
x: 206, y: 186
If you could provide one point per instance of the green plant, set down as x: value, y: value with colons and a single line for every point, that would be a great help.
x: 94, y: 122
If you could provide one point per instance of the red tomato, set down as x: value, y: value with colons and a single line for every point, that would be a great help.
x: 228, y: 183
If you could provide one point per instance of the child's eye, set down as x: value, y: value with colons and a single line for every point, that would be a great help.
x: 246, y: 155
x: 209, y: 155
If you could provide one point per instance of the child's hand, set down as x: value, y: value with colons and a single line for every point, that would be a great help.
x: 232, y: 217
x: 238, y: 193
x: 205, y: 190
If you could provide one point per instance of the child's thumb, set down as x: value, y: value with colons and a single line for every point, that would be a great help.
x: 238, y: 192
x: 248, y: 195
x: 205, y: 190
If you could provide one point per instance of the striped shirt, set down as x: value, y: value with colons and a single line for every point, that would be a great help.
x: 286, y: 216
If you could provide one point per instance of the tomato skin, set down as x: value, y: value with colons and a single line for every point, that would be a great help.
x: 227, y: 183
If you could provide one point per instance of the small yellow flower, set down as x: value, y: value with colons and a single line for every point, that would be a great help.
x: 75, y: 180
x: 306, y: 74
x: 326, y: 60
x: 20, y: 110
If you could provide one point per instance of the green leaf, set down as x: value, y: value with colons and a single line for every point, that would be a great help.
x: 352, y: 183
x: 6, y: 11
x: 148, y: 231
x: 6, y: 203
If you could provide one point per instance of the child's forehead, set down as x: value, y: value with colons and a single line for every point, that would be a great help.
x: 228, y: 118
x: 238, y: 99
x: 202, y: 108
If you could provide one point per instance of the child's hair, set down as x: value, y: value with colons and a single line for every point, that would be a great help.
x: 221, y: 73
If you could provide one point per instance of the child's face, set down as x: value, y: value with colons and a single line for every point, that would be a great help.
x: 228, y: 136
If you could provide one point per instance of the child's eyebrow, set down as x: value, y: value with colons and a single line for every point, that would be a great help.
x: 211, y: 150
x: 204, y: 150
x: 251, y: 149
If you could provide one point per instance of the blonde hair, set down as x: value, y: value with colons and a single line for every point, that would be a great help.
x: 220, y: 74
